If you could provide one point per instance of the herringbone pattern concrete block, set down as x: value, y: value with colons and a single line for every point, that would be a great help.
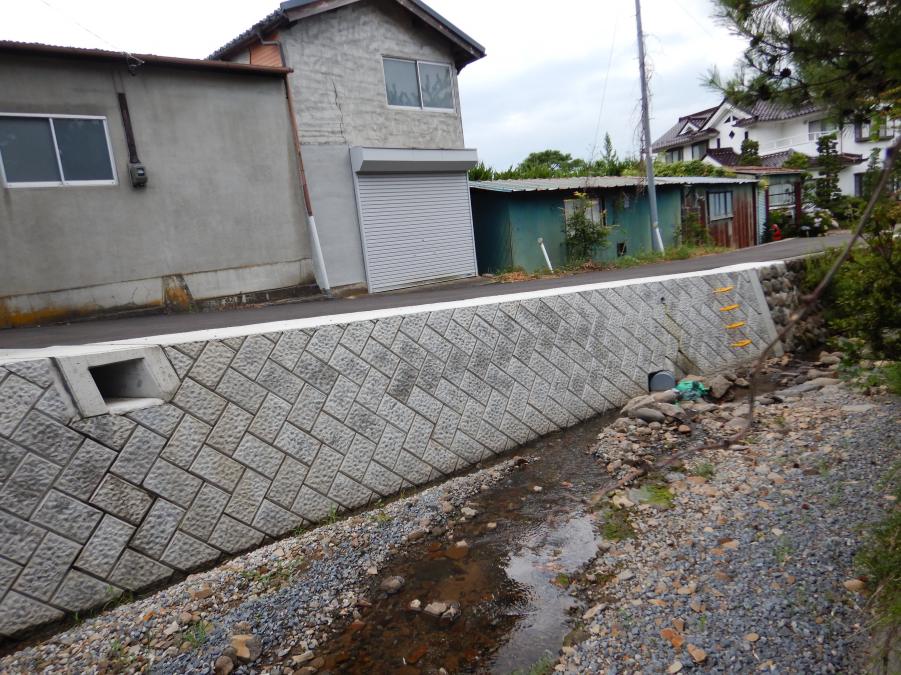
x: 269, y: 432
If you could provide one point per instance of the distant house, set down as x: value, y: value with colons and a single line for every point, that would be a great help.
x: 509, y: 216
x: 715, y: 136
x: 374, y: 84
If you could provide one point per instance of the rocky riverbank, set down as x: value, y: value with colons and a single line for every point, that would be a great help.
x: 741, y: 560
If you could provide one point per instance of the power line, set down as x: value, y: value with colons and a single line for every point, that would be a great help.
x: 88, y: 30
x: 694, y: 18
x: 597, y: 126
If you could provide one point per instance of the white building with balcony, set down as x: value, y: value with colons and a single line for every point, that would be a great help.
x: 715, y: 136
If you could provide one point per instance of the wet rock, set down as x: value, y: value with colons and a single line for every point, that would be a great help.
x: 452, y: 613
x: 392, y: 585
x: 301, y: 659
x: 247, y: 647
x: 684, y: 429
x: 828, y: 359
x: 668, y: 396
x: 490, y: 526
x: 469, y: 512
x: 537, y: 488
x: 435, y: 609
x: 825, y: 381
x: 415, y: 605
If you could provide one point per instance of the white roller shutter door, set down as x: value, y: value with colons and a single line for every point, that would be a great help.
x: 417, y: 228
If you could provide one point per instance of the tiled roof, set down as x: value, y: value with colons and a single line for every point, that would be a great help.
x: 768, y: 111
x: 723, y: 156
x: 264, y: 25
x: 672, y: 138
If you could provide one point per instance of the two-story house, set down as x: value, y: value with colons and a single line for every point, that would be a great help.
x: 377, y: 108
x: 715, y: 136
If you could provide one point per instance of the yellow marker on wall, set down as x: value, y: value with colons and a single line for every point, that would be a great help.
x: 724, y: 289
x: 737, y: 324
x: 741, y: 343
x: 729, y: 308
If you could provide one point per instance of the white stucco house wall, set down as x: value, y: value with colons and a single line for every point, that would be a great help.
x: 715, y: 136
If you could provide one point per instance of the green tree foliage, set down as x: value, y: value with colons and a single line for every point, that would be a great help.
x: 826, y: 191
x: 481, y: 172
x: 839, y: 54
x: 694, y: 167
x: 550, y: 164
x: 584, y: 235
x: 750, y: 153
x: 609, y: 163
x: 797, y: 160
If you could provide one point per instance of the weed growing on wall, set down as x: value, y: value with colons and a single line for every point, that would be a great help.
x: 584, y: 234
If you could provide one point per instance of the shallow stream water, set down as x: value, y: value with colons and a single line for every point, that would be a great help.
x: 510, y: 582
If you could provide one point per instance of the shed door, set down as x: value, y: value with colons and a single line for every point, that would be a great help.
x: 417, y: 228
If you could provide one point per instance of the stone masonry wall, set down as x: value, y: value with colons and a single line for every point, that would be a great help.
x: 781, y: 283
x: 270, y: 431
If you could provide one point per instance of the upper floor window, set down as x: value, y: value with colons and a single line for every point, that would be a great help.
x: 719, y: 205
x: 45, y: 151
x: 699, y: 150
x: 817, y: 128
x: 674, y: 155
x: 867, y: 131
x: 419, y: 84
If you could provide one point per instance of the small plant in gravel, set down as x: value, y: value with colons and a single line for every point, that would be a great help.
x: 661, y: 496
x: 332, y: 516
x: 783, y: 549
x: 616, y: 525
x: 196, y: 634
x: 381, y: 517
x: 704, y: 470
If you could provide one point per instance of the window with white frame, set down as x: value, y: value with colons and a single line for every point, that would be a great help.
x: 52, y: 150
x: 699, y: 150
x: 594, y: 212
x: 817, y: 128
x: 719, y: 205
x: 419, y: 84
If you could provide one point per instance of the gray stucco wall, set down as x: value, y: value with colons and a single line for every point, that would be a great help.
x: 223, y: 188
x: 271, y: 430
x: 339, y: 90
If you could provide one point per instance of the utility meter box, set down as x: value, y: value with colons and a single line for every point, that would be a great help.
x: 138, y: 173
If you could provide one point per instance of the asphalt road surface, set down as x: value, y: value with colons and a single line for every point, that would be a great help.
x: 104, y: 330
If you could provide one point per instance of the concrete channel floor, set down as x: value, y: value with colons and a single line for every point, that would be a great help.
x: 105, y: 330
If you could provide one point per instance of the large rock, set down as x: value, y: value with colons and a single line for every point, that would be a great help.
x: 648, y: 415
x: 247, y: 647
x: 719, y: 386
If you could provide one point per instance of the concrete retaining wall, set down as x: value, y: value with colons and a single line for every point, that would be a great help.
x: 278, y: 425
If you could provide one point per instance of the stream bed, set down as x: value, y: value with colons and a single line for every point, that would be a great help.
x: 530, y: 534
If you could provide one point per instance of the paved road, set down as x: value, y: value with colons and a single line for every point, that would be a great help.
x: 104, y: 330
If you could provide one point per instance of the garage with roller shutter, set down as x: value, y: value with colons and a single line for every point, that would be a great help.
x: 415, y: 216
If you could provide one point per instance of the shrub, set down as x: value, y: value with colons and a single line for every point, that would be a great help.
x: 583, y: 234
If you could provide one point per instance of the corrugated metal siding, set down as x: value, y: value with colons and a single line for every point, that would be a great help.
x: 416, y: 228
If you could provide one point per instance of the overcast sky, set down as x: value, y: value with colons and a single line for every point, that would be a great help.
x: 541, y: 85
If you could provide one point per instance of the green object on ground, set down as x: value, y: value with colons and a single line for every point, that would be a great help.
x: 691, y: 390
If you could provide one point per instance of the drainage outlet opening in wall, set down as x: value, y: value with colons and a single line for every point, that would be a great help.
x: 119, y: 380
x: 126, y: 384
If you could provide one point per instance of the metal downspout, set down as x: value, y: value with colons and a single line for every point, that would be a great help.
x: 319, y: 270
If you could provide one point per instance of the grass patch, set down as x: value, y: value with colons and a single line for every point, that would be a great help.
x: 641, y: 258
x: 617, y: 525
x: 543, y: 666
x: 380, y: 517
x: 783, y: 550
x: 196, y: 634
x: 661, y: 496
x: 864, y: 379
x: 880, y: 561
x: 704, y: 470
x: 562, y: 580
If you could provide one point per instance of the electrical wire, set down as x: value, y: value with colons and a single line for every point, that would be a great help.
x: 115, y: 48
x: 597, y: 126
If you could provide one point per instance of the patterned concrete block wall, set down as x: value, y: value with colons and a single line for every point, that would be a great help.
x: 269, y: 431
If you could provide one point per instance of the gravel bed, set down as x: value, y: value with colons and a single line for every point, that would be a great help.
x: 289, y: 593
x: 745, y: 572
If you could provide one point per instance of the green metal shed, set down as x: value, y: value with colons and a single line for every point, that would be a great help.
x: 509, y: 216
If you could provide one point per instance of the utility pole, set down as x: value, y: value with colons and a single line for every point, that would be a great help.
x: 646, y: 129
